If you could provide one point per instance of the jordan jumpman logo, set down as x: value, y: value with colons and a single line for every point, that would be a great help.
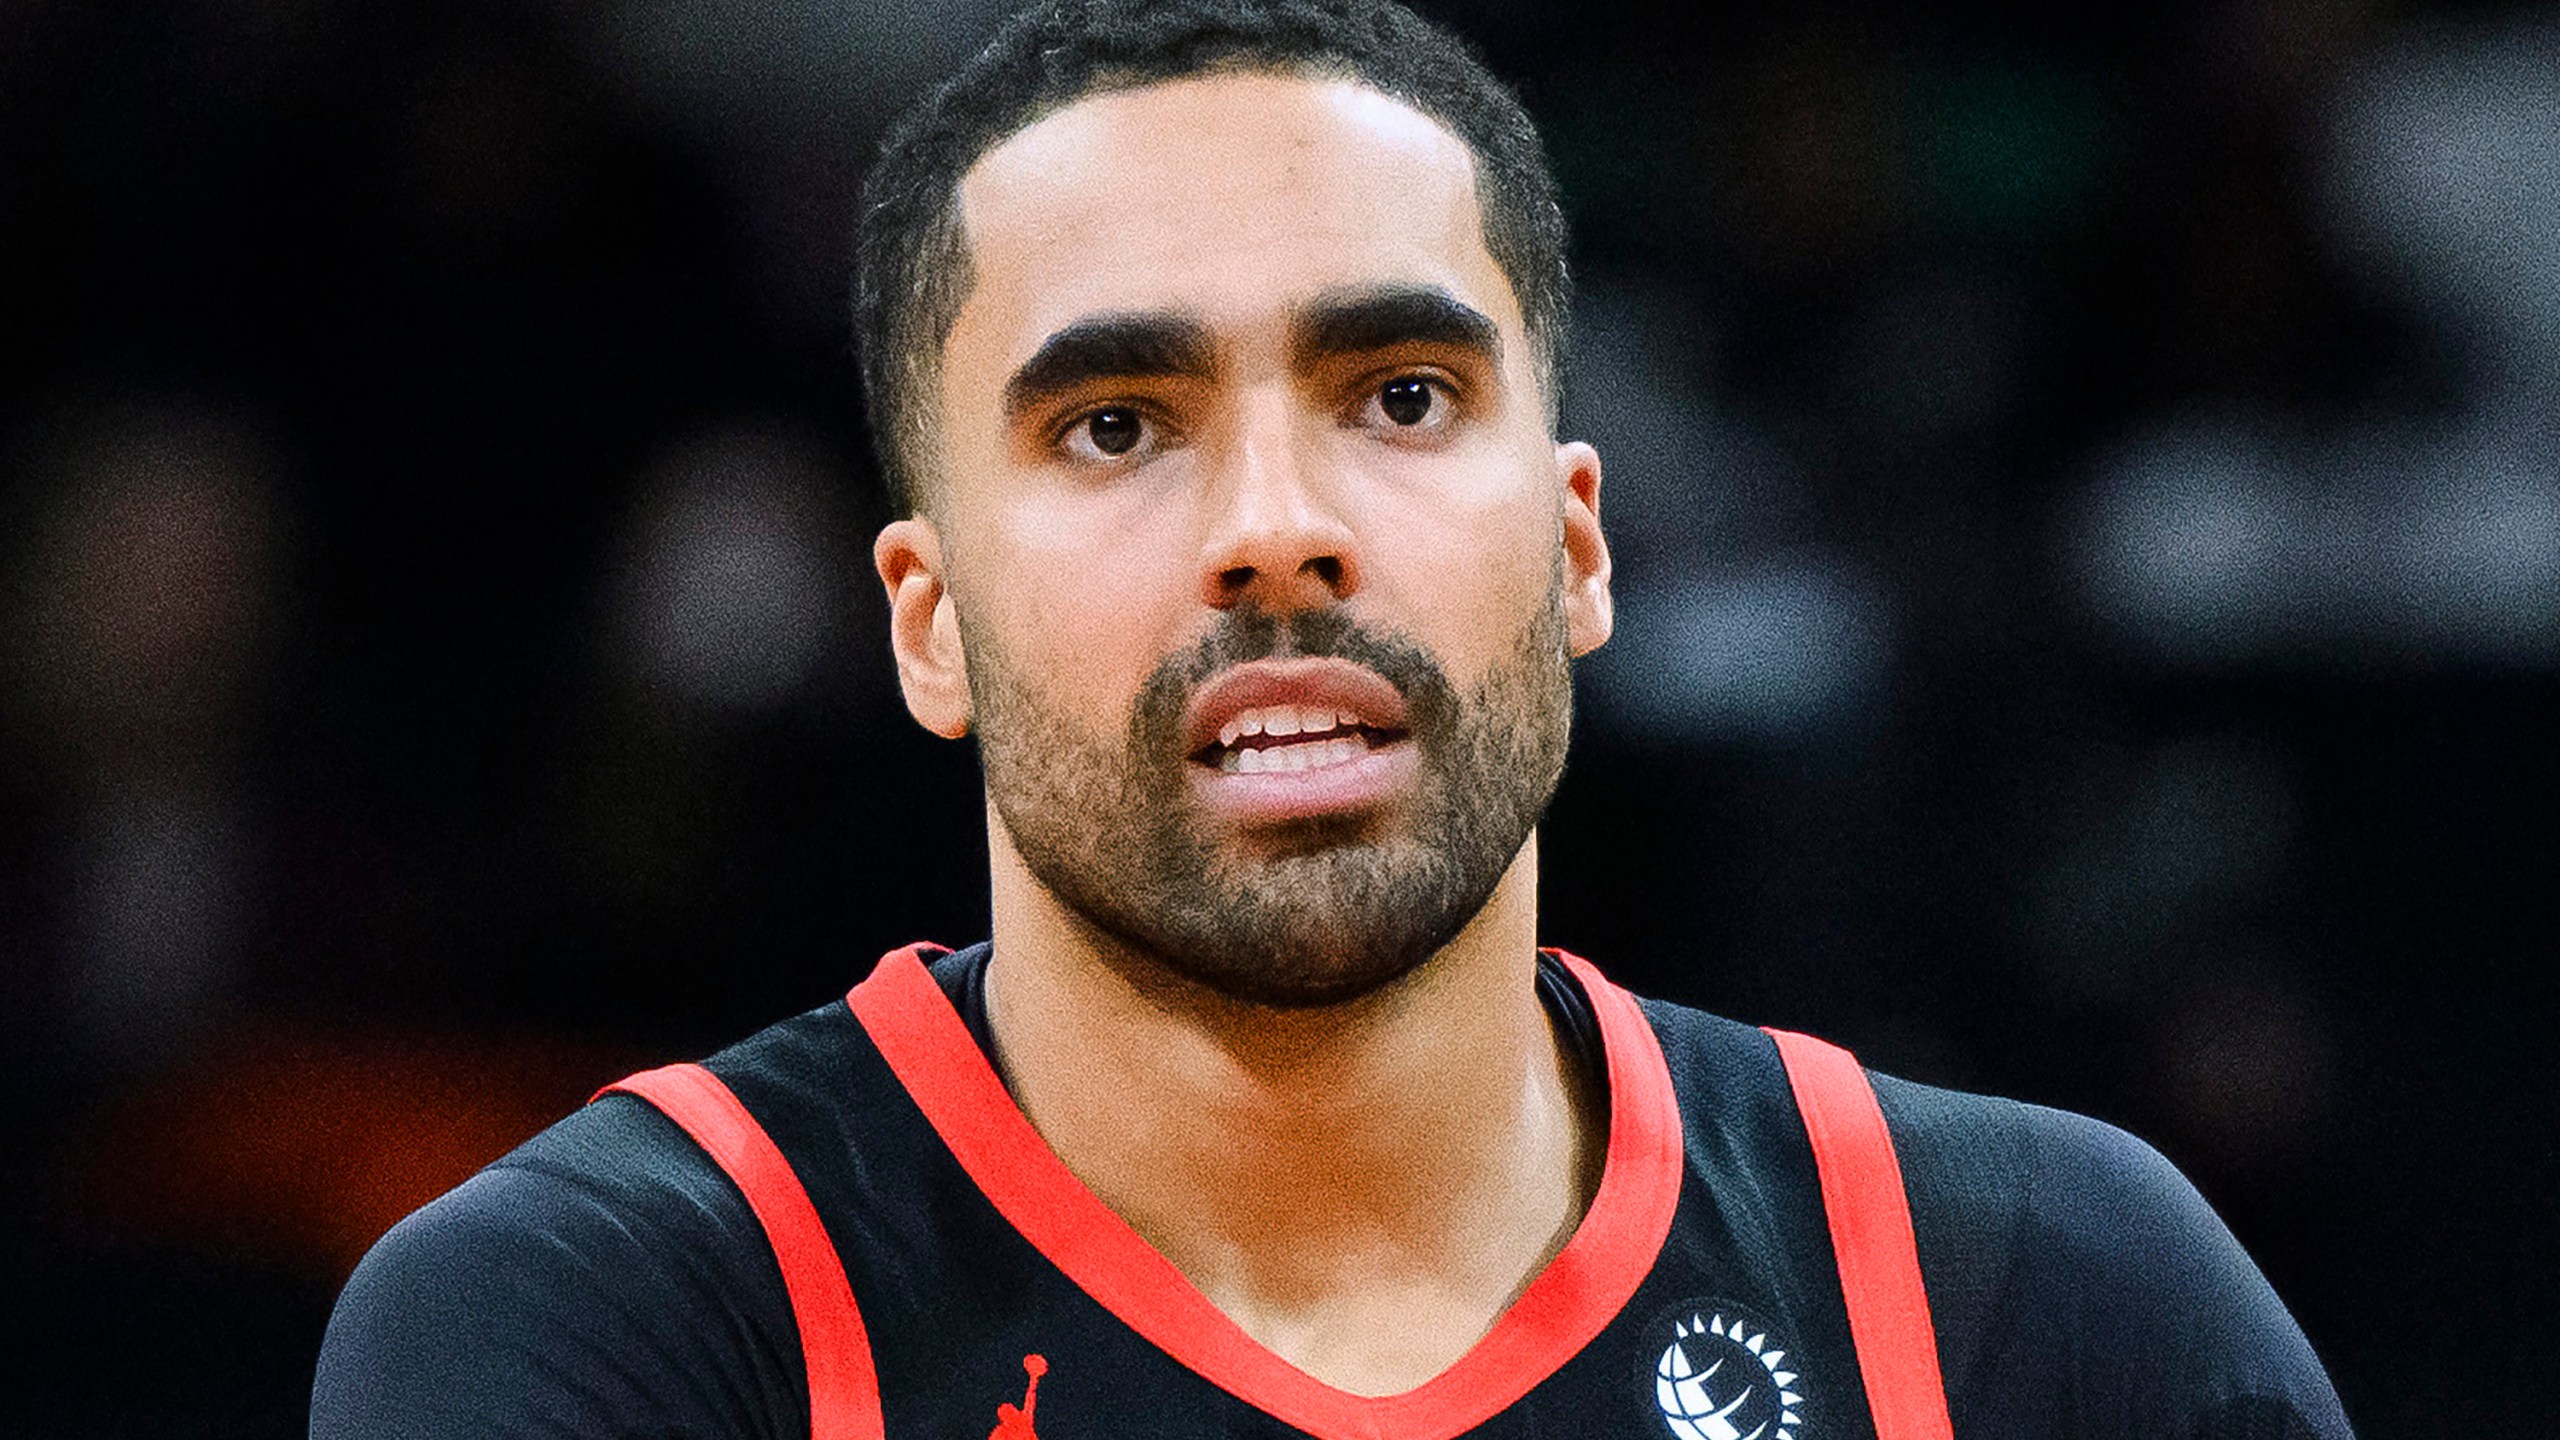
x: 1013, y: 1422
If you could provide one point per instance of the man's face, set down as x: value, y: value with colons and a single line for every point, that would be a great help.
x: 1255, y: 554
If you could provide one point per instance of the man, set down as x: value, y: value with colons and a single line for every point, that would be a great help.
x: 1212, y: 348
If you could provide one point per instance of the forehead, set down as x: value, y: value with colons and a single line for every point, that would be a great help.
x: 1232, y: 197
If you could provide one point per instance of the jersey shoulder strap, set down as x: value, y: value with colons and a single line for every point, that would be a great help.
x: 844, y: 1390
x: 1871, y: 1238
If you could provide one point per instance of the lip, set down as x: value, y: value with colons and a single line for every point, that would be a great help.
x: 1313, y: 682
x: 1370, y: 782
x: 1386, y: 772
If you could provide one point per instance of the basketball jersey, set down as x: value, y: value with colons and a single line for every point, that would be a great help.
x: 1746, y: 1269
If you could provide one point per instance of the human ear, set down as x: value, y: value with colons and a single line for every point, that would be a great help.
x: 1589, y: 612
x: 924, y: 631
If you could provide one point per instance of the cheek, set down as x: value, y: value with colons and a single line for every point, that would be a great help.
x: 1085, y: 599
x: 1464, y: 563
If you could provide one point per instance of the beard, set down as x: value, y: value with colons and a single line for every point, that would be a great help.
x: 1315, y: 912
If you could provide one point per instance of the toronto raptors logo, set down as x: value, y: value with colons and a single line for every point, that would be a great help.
x: 1722, y: 1377
x: 1013, y: 1422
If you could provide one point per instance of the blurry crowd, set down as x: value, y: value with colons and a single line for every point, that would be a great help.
x: 2086, y: 493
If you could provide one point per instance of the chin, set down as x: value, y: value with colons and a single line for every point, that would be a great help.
x: 1324, y: 927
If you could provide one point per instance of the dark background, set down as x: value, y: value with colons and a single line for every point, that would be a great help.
x: 2085, y: 497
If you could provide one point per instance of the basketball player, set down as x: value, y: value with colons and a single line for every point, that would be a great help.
x: 1212, y: 349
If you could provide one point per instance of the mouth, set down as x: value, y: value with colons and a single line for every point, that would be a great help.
x: 1283, y: 739
x: 1287, y: 716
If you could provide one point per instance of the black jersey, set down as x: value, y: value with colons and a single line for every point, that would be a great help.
x: 618, y: 1276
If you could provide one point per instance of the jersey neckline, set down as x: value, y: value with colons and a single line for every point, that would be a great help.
x: 929, y: 1048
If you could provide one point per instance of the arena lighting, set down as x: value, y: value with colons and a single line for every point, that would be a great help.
x: 2268, y: 537
x: 1786, y: 648
x: 2222, y: 543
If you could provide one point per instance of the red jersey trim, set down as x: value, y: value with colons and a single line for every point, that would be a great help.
x: 1871, y: 1239
x: 844, y: 1391
x: 1563, y: 1309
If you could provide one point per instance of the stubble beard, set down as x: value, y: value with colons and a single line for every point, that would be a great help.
x: 1320, y: 912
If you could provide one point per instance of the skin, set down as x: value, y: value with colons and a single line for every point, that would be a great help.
x: 1315, y: 1171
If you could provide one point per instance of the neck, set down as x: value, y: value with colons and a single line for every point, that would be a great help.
x: 1363, y: 1186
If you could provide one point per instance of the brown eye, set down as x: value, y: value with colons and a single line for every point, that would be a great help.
x: 1406, y: 401
x: 1115, y: 431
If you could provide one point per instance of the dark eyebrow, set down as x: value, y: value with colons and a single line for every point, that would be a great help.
x: 1349, y: 322
x: 1108, y: 347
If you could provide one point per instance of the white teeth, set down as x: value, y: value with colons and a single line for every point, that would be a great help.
x: 1341, y: 728
x: 1286, y: 720
x: 1288, y: 759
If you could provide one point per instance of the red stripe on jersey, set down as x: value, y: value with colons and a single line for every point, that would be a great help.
x: 1871, y: 1239
x: 844, y: 1393
x: 1564, y: 1308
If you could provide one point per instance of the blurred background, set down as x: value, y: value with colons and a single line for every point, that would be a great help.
x: 2085, y: 493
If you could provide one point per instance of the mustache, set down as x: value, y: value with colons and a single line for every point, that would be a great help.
x: 1249, y: 632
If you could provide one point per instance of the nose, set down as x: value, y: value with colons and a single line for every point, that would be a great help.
x: 1277, y: 536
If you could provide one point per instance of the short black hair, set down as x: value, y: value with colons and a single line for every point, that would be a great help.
x: 912, y: 267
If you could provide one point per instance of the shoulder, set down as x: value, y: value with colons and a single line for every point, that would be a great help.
x: 605, y: 1278
x: 2071, y: 1268
x: 2004, y: 1193
x: 2078, y: 1284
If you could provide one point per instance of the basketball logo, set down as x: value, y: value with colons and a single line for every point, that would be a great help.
x: 1013, y: 1422
x: 1722, y: 1378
